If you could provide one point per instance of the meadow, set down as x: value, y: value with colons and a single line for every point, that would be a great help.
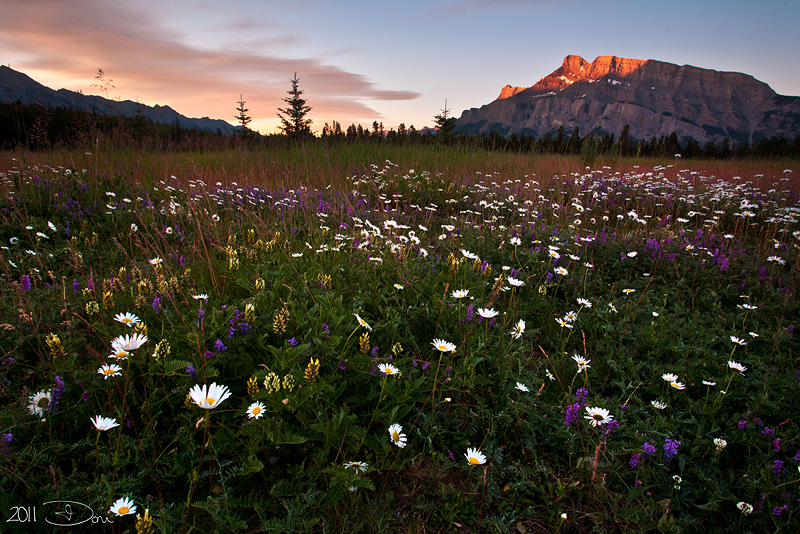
x: 397, y: 339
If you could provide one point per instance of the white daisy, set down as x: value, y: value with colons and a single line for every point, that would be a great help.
x: 119, y: 354
x: 129, y: 342
x: 582, y: 362
x: 585, y: 303
x: 396, y: 435
x: 123, y: 506
x: 460, y: 294
x: 109, y: 370
x: 104, y: 423
x: 518, y: 329
x: 39, y: 402
x: 658, y: 405
x: 669, y: 377
x: 127, y: 318
x: 362, y: 322
x: 255, y: 410
x: 358, y: 466
x: 487, y: 313
x: 598, y: 416
x: 388, y: 369
x: 443, y: 346
x: 737, y: 366
x: 515, y: 282
x: 208, y: 397
x: 522, y: 387
x: 475, y: 457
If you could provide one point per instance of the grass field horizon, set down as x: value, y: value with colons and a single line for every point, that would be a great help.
x: 422, y: 339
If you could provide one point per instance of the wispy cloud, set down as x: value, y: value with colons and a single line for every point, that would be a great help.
x: 71, y: 40
x: 462, y: 8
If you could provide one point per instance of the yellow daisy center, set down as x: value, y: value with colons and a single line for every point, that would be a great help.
x: 396, y: 436
x: 388, y: 371
x: 126, y: 320
x: 598, y: 417
x: 108, y: 371
x: 210, y: 401
x: 473, y: 461
x: 123, y: 510
x: 256, y: 410
x: 44, y: 402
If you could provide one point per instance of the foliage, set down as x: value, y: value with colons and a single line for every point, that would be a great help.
x: 394, y: 297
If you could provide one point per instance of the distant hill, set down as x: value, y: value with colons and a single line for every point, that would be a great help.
x: 653, y: 97
x: 16, y: 86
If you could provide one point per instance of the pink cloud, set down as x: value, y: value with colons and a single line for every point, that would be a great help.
x: 71, y: 40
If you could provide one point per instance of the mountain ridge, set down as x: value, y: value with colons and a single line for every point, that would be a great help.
x: 653, y: 98
x: 17, y: 86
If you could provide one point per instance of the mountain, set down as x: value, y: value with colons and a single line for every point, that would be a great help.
x: 16, y: 86
x: 653, y: 97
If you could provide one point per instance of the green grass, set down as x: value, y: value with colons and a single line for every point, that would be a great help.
x: 674, y: 266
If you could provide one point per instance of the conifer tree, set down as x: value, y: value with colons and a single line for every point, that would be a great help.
x: 243, y: 118
x: 445, y: 123
x: 294, y: 123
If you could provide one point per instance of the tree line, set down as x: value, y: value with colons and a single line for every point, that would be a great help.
x: 40, y: 127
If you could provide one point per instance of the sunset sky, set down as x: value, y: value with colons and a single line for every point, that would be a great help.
x: 361, y: 61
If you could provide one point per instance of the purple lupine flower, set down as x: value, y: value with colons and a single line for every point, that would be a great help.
x: 85, y: 396
x: 25, y: 283
x: 219, y: 346
x: 777, y: 467
x: 610, y: 427
x: 580, y: 395
x: 208, y: 354
x: 414, y: 364
x: 648, y: 448
x: 58, y: 391
x: 76, y: 286
x: 375, y: 353
x: 573, y: 413
x: 768, y: 431
x: 469, y: 313
x: 325, y: 327
x: 341, y: 365
x: 6, y: 439
x: 634, y: 461
x: 777, y: 445
x: 192, y: 372
x: 778, y: 510
x: 797, y: 457
x: 157, y: 304
x: 670, y: 449
x: 743, y: 424
x: 426, y: 365
x: 200, y: 314
x: 294, y: 342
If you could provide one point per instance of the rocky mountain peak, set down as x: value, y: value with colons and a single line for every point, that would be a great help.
x: 575, y: 68
x: 652, y: 97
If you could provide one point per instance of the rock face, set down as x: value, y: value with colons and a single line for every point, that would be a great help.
x: 16, y: 86
x: 653, y: 97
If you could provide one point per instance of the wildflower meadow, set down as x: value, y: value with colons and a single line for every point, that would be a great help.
x: 397, y: 341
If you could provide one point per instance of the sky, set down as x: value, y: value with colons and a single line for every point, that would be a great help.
x: 361, y: 61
